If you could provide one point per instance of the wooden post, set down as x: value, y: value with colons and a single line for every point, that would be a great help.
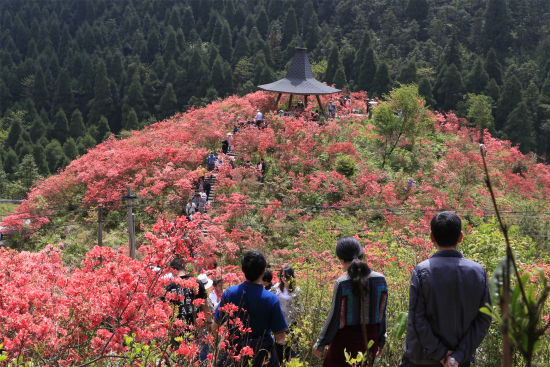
x: 131, y: 229
x: 277, y: 101
x: 321, y: 105
x: 100, y: 225
x: 289, y: 102
x: 305, y: 100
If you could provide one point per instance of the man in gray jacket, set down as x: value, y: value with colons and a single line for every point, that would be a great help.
x: 445, y: 326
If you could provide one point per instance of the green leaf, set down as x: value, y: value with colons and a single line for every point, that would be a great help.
x: 400, y: 325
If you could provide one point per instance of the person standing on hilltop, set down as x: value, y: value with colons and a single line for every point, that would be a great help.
x: 358, y: 310
x: 445, y: 325
x: 259, y: 118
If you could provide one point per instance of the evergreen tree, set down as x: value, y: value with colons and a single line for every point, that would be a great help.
x: 417, y: 10
x: 408, y: 74
x: 226, y: 49
x: 217, y: 76
x: 69, y: 148
x: 290, y: 29
x: 54, y: 155
x: 510, y: 97
x: 60, y: 126
x: 10, y: 162
x: 496, y: 31
x: 14, y: 134
x: 102, y: 102
x: 168, y: 102
x: 480, y: 111
x: 451, y: 88
x: 519, y: 128
x: 40, y: 93
x: 545, y: 90
x: 171, y: 45
x: 262, y: 23
x: 38, y: 129
x: 312, y: 32
x: 40, y: 159
x: 451, y: 55
x: 332, y: 65
x: 85, y: 143
x: 27, y: 173
x: 131, y: 121
x: 361, y: 54
x: 103, y: 129
x: 425, y: 90
x: 241, y: 48
x: 63, y: 97
x: 493, y: 67
x: 478, y: 78
x: 493, y: 90
x: 340, y: 77
x: 76, y: 127
x: 382, y: 80
x: 367, y: 71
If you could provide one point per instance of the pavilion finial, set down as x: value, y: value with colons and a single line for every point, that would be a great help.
x: 302, y: 35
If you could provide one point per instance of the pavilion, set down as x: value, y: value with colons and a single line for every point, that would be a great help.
x: 299, y: 80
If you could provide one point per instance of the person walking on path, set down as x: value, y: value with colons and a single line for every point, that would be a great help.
x: 211, y: 161
x: 260, y: 307
x: 445, y: 325
x: 358, y: 309
x: 289, y: 297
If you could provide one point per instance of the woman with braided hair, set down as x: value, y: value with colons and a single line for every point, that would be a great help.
x: 358, y: 311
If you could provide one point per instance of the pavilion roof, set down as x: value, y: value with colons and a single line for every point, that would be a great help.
x: 299, y: 78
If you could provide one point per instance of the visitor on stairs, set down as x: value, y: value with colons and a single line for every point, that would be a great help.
x: 215, y: 296
x: 211, y: 161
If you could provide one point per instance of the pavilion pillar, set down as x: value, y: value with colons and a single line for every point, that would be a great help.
x: 305, y: 100
x: 290, y: 101
x: 278, y: 99
x: 321, y: 105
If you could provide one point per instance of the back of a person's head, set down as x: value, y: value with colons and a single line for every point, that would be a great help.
x: 446, y: 228
x: 177, y: 264
x: 349, y: 249
x: 253, y: 265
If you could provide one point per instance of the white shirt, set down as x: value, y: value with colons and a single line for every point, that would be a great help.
x: 287, y: 301
x: 214, y: 299
x: 259, y: 116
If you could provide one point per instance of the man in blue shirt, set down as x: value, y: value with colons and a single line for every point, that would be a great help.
x: 258, y: 309
x: 445, y: 326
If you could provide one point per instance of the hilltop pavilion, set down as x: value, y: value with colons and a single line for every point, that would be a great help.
x: 299, y: 80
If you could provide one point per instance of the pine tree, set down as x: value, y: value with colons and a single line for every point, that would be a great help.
x: 102, y: 102
x: 170, y: 46
x: 27, y: 172
x: 217, y: 76
x: 40, y: 159
x: 451, y: 88
x: 360, y: 55
x: 451, y: 55
x: 76, y: 127
x: 38, y: 129
x: 103, y: 129
x: 40, y: 93
x: 241, y: 48
x: 478, y: 78
x: 496, y: 31
x: 14, y: 134
x: 493, y: 67
x: 425, y: 90
x: 408, y: 74
x: 510, y: 97
x: 340, y: 77
x: 367, y: 71
x: 54, y: 155
x: 332, y: 65
x: 69, y: 148
x: 168, y: 102
x: 226, y: 48
x: 262, y: 23
x: 545, y: 90
x: 519, y: 128
x: 493, y: 90
x: 60, y: 126
x: 382, y: 80
x: 312, y: 32
x: 63, y: 97
x: 10, y: 162
x: 131, y: 121
x: 290, y: 29
x: 417, y: 10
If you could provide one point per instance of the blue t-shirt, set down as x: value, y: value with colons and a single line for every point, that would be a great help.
x: 262, y: 308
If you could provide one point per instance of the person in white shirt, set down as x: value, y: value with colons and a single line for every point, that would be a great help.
x: 215, y: 296
x: 288, y: 295
x: 259, y: 118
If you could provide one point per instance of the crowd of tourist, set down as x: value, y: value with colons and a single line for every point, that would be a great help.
x: 445, y: 325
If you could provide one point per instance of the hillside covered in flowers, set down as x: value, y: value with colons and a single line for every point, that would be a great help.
x: 378, y: 178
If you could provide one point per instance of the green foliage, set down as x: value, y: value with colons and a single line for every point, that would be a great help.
x: 480, y: 111
x: 345, y: 165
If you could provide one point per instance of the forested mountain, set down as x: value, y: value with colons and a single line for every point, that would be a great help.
x: 74, y: 71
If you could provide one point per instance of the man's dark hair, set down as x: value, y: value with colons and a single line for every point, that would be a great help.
x: 253, y: 264
x: 177, y: 263
x: 446, y: 228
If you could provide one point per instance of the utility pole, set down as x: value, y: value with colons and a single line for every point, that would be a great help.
x: 131, y: 229
x: 100, y: 225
